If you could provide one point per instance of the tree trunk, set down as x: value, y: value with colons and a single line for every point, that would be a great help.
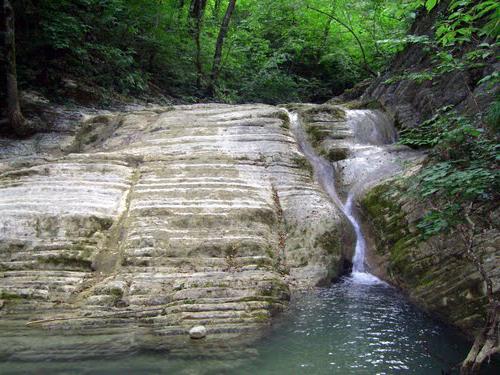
x: 366, y: 66
x: 487, y: 342
x: 485, y: 345
x: 196, y: 11
x: 218, y: 46
x: 14, y: 116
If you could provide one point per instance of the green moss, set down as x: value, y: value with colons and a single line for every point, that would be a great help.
x: 17, y: 174
x: 283, y: 116
x: 399, y: 255
x: 276, y: 290
x: 316, y: 134
x: 65, y: 261
x: 371, y: 104
x: 393, y: 235
x: 260, y: 317
x: 302, y: 163
x: 335, y: 154
x: 336, y: 112
x: 116, y: 293
x: 103, y: 222
x: 329, y: 241
x: 7, y: 296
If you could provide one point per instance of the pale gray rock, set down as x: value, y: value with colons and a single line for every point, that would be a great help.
x: 198, y: 332
x: 159, y: 219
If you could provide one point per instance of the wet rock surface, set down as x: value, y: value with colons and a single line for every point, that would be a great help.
x: 435, y: 273
x: 148, y: 222
x: 359, y: 143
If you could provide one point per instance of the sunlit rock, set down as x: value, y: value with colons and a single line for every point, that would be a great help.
x: 164, y: 218
x: 197, y: 332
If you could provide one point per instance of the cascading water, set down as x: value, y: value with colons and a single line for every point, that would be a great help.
x: 356, y: 326
x: 325, y: 175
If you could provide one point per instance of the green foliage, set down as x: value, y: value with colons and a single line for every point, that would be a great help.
x: 440, y: 130
x: 275, y: 50
x: 493, y: 116
x: 462, y: 168
x: 464, y: 22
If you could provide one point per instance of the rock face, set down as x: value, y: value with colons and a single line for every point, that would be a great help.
x: 359, y: 144
x: 435, y: 273
x: 411, y: 102
x: 163, y: 218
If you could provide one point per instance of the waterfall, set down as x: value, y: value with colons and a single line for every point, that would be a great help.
x: 324, y: 173
x: 372, y: 127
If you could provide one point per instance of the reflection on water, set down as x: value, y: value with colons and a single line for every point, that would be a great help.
x: 352, y: 327
x: 359, y: 327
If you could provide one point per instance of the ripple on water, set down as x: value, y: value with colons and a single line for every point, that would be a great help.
x: 358, y: 326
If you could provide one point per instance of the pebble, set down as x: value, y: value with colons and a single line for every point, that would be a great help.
x: 198, y: 332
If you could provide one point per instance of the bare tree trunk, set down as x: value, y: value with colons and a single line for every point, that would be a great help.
x: 366, y: 66
x: 218, y: 46
x: 14, y: 116
x: 487, y: 342
x: 196, y: 11
x: 485, y: 345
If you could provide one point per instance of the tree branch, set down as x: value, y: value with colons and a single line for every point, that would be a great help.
x: 366, y: 66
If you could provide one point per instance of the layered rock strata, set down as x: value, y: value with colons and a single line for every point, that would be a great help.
x: 161, y: 219
x: 359, y: 143
x: 435, y: 273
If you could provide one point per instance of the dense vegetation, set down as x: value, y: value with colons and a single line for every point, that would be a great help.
x: 274, y: 50
x: 462, y: 168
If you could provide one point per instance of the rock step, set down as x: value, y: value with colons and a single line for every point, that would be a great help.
x: 250, y: 305
x: 197, y: 249
x: 164, y: 264
x: 37, y: 265
x: 213, y: 329
x: 53, y: 284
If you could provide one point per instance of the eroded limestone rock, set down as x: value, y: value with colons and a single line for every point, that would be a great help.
x: 435, y: 273
x: 164, y: 219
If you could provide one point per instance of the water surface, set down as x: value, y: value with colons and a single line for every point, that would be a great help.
x: 356, y: 326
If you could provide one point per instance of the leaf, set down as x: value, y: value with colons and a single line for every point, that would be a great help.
x: 430, y: 4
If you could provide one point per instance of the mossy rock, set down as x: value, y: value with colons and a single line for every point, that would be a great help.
x: 371, y: 104
x: 7, y: 296
x: 64, y: 261
x: 336, y: 112
x: 302, y: 163
x: 317, y: 134
x: 335, y: 154
x: 329, y: 241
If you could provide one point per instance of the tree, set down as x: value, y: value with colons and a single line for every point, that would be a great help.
x: 486, y: 343
x: 196, y: 11
x: 218, y: 46
x: 15, y: 118
x: 366, y: 66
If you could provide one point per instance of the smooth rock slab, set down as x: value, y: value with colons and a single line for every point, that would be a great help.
x: 164, y: 219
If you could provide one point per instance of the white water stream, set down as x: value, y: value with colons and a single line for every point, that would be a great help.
x: 366, y: 131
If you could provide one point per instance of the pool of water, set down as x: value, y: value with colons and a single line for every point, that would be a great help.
x: 352, y: 327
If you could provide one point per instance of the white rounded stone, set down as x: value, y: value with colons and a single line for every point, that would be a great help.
x: 198, y: 332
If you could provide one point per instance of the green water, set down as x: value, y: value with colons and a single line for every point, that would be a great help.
x: 349, y: 328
